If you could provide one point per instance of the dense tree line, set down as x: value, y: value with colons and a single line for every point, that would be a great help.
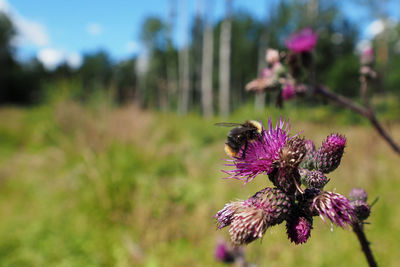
x: 163, y: 77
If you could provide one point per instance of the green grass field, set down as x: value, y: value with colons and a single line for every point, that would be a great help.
x: 121, y: 187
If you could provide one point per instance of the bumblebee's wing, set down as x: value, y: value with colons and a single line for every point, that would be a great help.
x: 228, y: 124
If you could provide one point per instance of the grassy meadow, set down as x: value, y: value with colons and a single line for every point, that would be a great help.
x: 104, y: 186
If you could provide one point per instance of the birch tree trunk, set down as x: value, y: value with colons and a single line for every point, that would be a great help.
x: 184, y: 71
x: 259, y: 100
x: 224, y: 61
x: 207, y: 69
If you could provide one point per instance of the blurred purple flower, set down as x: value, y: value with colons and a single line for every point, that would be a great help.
x: 288, y: 92
x: 223, y: 253
x: 260, y: 153
x: 367, y: 56
x: 303, y: 41
x: 358, y: 194
x: 335, y: 207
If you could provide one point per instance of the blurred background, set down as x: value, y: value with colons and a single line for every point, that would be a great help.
x: 108, y: 153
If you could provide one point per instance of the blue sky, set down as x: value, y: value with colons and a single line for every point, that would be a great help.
x: 55, y: 31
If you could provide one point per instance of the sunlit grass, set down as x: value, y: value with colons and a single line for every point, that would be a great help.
x: 123, y: 187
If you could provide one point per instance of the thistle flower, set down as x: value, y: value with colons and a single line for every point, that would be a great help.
x: 298, y: 229
x: 303, y: 41
x: 316, y: 179
x: 249, y: 219
x: 285, y: 175
x: 261, y: 153
x: 335, y: 207
x: 330, y: 153
x: 288, y: 92
x: 223, y: 253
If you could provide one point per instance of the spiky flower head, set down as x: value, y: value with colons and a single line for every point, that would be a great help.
x: 316, y: 179
x: 309, y: 158
x: 298, y: 229
x: 285, y: 174
x: 361, y: 209
x: 249, y: 219
x: 335, y: 207
x: 261, y: 153
x: 330, y: 153
x: 358, y: 194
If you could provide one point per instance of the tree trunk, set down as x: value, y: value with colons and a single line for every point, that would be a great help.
x: 207, y: 70
x: 224, y: 62
x: 184, y: 72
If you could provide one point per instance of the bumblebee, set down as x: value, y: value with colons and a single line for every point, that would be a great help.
x: 240, y: 135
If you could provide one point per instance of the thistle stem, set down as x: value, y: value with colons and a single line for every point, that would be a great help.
x: 366, y: 112
x: 359, y: 231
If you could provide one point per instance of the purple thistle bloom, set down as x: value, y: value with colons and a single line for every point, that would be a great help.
x: 303, y: 41
x: 288, y: 92
x: 299, y: 229
x: 335, y: 207
x: 223, y: 253
x: 330, y: 153
x: 249, y: 219
x: 261, y: 153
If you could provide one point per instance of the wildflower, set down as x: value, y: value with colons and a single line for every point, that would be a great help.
x: 335, y: 207
x: 288, y: 92
x: 249, y: 219
x: 298, y: 229
x: 223, y: 253
x: 261, y: 153
x: 303, y: 41
x: 330, y: 153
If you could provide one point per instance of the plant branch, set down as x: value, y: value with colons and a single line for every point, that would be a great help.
x: 359, y: 231
x: 366, y: 112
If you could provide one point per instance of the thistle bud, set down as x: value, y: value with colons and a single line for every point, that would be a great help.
x: 299, y: 229
x: 358, y: 194
x: 361, y: 209
x: 330, y: 153
x: 316, y: 179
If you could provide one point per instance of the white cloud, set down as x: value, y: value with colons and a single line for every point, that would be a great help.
x: 74, y: 60
x: 375, y: 28
x: 29, y: 32
x: 51, y: 58
x: 94, y: 29
x: 132, y: 47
